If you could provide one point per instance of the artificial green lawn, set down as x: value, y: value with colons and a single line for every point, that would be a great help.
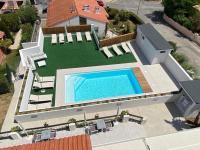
x: 76, y: 54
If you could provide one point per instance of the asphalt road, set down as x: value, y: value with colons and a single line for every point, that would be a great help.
x: 147, y: 13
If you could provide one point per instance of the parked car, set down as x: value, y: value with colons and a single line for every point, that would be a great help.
x: 101, y: 3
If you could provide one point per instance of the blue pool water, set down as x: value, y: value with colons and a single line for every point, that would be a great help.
x: 84, y: 87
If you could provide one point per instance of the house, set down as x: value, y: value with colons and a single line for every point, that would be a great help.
x: 189, y: 102
x: 79, y: 142
x: 77, y: 12
x: 10, y: 6
x: 153, y: 45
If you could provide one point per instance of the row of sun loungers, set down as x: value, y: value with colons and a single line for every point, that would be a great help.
x: 69, y: 37
x: 126, y: 46
x: 40, y: 98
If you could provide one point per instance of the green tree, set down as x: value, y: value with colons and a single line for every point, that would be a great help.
x: 11, y: 21
x: 27, y: 30
x: 27, y: 14
x: 123, y: 15
x: 4, y: 28
x: 4, y: 85
x: 4, y: 45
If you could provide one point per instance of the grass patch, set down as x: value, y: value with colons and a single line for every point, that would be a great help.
x: 4, y: 104
x: 12, y: 60
x: 77, y: 54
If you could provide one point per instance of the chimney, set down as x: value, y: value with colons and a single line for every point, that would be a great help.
x: 97, y: 10
x: 86, y: 7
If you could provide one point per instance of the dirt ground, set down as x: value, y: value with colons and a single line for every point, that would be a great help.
x: 4, y: 104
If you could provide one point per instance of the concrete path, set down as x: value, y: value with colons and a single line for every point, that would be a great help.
x: 9, y: 119
x: 17, y: 41
x: 147, y: 12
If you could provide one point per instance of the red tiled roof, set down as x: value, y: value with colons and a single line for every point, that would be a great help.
x: 62, y: 10
x: 80, y: 142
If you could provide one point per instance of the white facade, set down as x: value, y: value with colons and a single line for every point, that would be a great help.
x: 100, y: 27
x: 153, y: 56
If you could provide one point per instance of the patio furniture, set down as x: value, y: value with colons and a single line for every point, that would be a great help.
x: 41, y: 63
x: 88, y: 36
x: 61, y: 38
x: 44, y: 135
x: 79, y: 37
x: 53, y: 38
x: 107, y: 52
x: 39, y: 56
x: 42, y: 85
x: 116, y: 50
x: 45, y: 79
x: 36, y: 106
x: 125, y: 48
x: 101, y: 124
x: 40, y: 98
x: 69, y: 37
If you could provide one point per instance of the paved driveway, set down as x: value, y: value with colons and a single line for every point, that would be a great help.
x: 147, y: 13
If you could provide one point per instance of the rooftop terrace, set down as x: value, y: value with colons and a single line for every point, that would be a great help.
x: 77, y: 54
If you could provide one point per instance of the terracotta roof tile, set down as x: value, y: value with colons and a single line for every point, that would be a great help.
x: 62, y: 10
x: 80, y: 142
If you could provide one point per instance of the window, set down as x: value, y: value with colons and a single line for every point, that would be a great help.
x: 162, y: 51
x: 82, y: 20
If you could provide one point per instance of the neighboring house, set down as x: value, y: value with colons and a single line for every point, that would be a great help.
x: 189, y: 102
x: 77, y: 12
x: 153, y: 45
x: 11, y: 6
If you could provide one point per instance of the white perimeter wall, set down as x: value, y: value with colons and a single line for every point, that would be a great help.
x: 94, y: 108
x: 40, y: 40
x: 29, y: 44
x: 27, y: 91
x: 177, y: 71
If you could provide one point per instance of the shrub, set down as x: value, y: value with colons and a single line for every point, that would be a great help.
x: 27, y: 30
x: 123, y: 15
x: 124, y: 112
x: 4, y: 84
x: 4, y: 45
x: 72, y: 120
x: 112, y: 12
x: 16, y: 129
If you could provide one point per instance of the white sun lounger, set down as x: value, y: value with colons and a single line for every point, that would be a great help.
x: 107, y: 52
x: 61, y: 38
x: 125, y: 47
x: 78, y: 36
x: 41, y: 63
x: 53, y: 38
x: 38, y: 56
x: 69, y: 37
x: 116, y: 49
x: 43, y: 85
x: 39, y: 106
x: 41, y: 98
x: 46, y: 79
x: 88, y: 36
x: 129, y: 45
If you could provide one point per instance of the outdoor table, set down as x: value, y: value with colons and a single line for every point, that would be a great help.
x: 41, y: 63
x: 101, y: 124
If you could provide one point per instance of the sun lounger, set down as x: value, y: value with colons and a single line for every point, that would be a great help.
x: 46, y: 79
x: 40, y: 98
x: 53, y: 38
x: 78, y: 36
x: 41, y: 63
x: 61, y: 38
x: 38, y: 56
x: 69, y: 37
x: 116, y: 49
x: 43, y: 85
x: 129, y: 45
x: 39, y: 106
x: 125, y: 47
x: 88, y: 36
x: 107, y: 52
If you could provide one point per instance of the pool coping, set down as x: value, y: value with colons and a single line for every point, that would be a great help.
x: 60, y: 78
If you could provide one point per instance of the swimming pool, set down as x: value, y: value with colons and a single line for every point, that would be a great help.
x: 89, y: 86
